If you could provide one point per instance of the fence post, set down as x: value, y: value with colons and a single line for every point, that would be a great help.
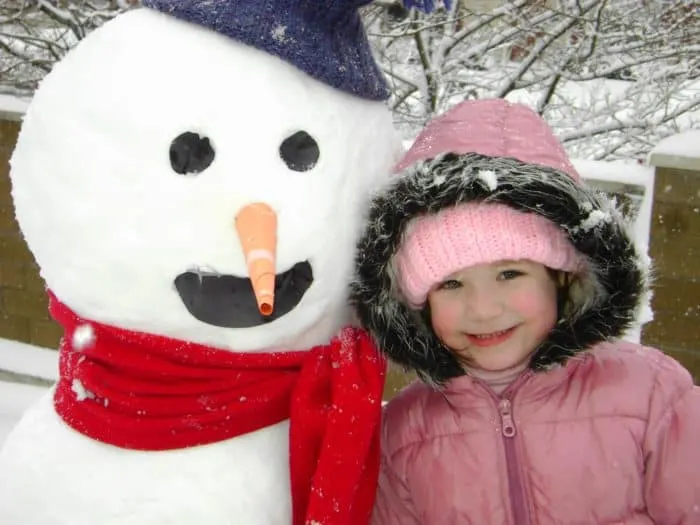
x: 675, y: 250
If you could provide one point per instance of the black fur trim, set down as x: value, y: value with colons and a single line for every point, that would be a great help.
x: 605, y: 308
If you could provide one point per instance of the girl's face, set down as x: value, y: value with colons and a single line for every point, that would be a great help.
x: 496, y: 314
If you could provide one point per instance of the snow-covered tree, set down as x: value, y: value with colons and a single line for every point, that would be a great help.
x: 612, y: 76
x: 35, y: 34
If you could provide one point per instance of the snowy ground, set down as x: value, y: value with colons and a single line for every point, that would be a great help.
x: 14, y: 400
x: 25, y: 363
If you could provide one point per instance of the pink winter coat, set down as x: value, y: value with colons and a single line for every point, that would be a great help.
x: 613, y: 437
x: 594, y: 432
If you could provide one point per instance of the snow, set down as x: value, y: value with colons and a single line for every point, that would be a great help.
x: 489, y: 178
x: 686, y: 144
x: 680, y: 151
x: 15, y: 398
x: 12, y: 107
x: 83, y: 337
x: 594, y: 117
x: 279, y: 34
x: 625, y: 172
x: 25, y: 359
x: 81, y: 393
x: 594, y: 219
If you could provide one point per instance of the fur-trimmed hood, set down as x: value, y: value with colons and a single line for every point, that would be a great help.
x: 601, y: 305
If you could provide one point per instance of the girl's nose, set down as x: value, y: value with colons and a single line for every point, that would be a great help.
x: 483, y: 302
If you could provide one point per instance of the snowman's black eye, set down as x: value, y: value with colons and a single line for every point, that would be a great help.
x: 299, y: 151
x: 190, y: 153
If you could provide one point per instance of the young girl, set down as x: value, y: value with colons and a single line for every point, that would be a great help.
x: 491, y: 271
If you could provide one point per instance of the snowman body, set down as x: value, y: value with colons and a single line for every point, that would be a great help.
x: 115, y: 223
x: 52, y: 475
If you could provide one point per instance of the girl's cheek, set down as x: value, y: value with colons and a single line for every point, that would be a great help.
x: 535, y: 304
x: 526, y: 302
x: 446, y: 315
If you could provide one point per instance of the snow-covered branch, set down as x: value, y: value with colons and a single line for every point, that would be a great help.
x: 35, y: 34
x: 598, y: 70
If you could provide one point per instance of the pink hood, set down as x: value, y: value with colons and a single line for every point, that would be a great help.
x: 494, y: 128
x: 497, y: 152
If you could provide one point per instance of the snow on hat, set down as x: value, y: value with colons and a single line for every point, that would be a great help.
x: 440, y: 244
x: 324, y: 38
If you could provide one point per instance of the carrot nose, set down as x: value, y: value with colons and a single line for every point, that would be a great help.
x: 257, y: 231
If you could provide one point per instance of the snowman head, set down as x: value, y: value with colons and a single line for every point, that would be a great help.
x: 143, y: 147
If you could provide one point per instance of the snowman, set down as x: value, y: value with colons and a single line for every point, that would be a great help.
x: 191, y: 180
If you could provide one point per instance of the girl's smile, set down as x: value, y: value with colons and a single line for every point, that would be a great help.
x: 491, y: 339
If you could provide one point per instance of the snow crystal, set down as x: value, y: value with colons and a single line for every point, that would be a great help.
x: 490, y: 178
x: 279, y: 34
x: 83, y: 337
x: 81, y: 393
x: 439, y: 180
x: 594, y: 219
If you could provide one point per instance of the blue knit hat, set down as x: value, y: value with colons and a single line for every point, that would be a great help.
x: 324, y: 38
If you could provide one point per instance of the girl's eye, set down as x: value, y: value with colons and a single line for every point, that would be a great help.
x: 507, y: 275
x: 449, y: 285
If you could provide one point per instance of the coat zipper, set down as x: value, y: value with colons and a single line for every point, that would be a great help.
x: 509, y: 431
x: 515, y: 482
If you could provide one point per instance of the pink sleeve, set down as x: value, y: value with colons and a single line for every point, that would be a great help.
x: 393, y: 504
x: 672, y: 449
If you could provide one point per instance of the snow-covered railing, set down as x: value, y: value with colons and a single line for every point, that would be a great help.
x: 12, y: 108
x: 680, y: 151
x: 25, y: 373
x: 25, y: 363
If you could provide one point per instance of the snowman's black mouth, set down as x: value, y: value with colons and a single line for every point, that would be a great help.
x: 229, y: 301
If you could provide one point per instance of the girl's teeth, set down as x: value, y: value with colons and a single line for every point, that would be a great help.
x: 494, y: 334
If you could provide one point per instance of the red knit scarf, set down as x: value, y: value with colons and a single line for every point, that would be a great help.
x: 147, y: 392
